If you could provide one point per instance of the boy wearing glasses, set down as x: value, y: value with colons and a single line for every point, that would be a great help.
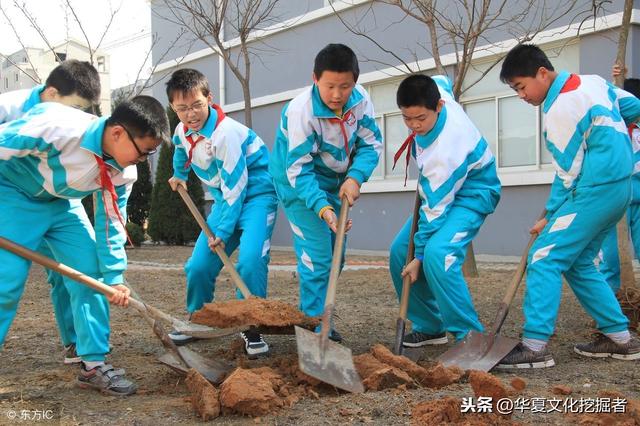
x: 232, y: 161
x: 55, y: 154
x: 76, y: 84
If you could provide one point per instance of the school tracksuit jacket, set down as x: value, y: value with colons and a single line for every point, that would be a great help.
x: 49, y: 157
x: 232, y: 161
x: 609, y: 259
x: 14, y: 105
x: 314, y: 152
x: 585, y: 131
x: 458, y: 187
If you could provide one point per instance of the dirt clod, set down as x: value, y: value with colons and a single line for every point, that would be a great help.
x: 486, y: 384
x: 204, y: 397
x: 518, y: 383
x: 249, y: 393
x: 377, y: 375
x: 435, y: 412
x: 252, y: 311
x: 561, y: 390
x: 439, y: 376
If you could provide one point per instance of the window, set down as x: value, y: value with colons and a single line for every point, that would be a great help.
x: 59, y: 56
x: 6, y: 82
x: 16, y: 77
x: 101, y: 64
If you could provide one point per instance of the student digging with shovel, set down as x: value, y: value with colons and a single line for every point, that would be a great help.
x: 458, y: 187
x: 232, y: 161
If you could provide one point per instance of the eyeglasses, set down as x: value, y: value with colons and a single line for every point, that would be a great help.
x: 135, y: 145
x: 198, y: 106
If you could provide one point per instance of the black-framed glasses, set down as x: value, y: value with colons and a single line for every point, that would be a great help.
x: 135, y: 145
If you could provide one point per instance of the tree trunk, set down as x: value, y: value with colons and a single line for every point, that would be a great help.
x: 469, y: 268
x: 627, y: 277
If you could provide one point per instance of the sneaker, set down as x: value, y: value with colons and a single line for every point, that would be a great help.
x: 70, y: 355
x: 106, y: 379
x: 333, y: 334
x: 604, y: 347
x: 417, y: 339
x: 523, y: 357
x: 253, y: 343
x: 180, y: 339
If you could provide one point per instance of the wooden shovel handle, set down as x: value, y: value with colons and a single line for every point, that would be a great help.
x: 75, y: 275
x: 335, y: 269
x: 237, y: 280
x: 406, y: 282
x: 503, y: 310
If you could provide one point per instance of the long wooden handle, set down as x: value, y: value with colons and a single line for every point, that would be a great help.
x: 237, y: 280
x: 406, y: 282
x: 503, y: 310
x: 75, y: 275
x: 335, y: 270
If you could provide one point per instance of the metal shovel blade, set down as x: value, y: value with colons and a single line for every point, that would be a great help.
x: 478, y: 351
x: 214, y: 371
x: 332, y: 364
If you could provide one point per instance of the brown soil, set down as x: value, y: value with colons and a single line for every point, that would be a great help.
x: 486, y: 384
x: 630, y: 416
x: 377, y: 375
x: 248, y: 393
x: 561, y: 390
x: 630, y: 303
x: 204, y: 397
x: 252, y: 311
x: 518, y: 384
x: 447, y: 411
x: 33, y: 377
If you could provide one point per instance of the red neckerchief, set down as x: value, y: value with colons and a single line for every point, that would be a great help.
x: 192, y: 144
x: 572, y: 83
x: 107, y: 186
x: 631, y: 127
x: 341, y: 122
x: 405, y: 145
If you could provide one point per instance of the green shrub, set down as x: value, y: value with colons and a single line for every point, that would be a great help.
x: 136, y: 234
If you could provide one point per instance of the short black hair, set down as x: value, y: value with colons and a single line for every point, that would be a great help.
x: 142, y: 116
x: 418, y: 90
x: 75, y: 77
x: 338, y: 58
x: 524, y: 60
x: 186, y: 80
x: 632, y: 85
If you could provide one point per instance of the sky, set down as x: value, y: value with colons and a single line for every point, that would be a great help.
x: 127, y: 40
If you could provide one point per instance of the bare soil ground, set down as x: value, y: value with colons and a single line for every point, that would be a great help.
x: 34, y: 380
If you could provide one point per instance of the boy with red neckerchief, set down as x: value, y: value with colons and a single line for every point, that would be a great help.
x: 232, y: 161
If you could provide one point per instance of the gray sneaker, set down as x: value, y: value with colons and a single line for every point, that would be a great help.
x: 523, y: 357
x: 603, y: 347
x: 417, y: 339
x: 70, y: 355
x: 106, y: 379
x: 180, y: 339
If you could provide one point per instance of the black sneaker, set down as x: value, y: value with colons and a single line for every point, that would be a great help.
x: 416, y: 339
x: 603, y: 347
x: 523, y: 357
x: 70, y: 355
x: 180, y: 339
x: 106, y: 379
x: 254, y: 345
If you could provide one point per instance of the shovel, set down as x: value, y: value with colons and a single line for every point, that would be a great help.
x: 401, y: 322
x: 229, y: 267
x: 317, y: 355
x: 213, y: 371
x: 479, y: 351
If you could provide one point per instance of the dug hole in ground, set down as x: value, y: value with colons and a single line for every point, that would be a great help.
x: 273, y: 390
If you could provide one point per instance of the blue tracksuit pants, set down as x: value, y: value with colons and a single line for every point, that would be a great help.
x: 252, y: 236
x: 568, y: 245
x: 313, y: 243
x: 440, y: 300
x: 610, y: 262
x: 64, y: 226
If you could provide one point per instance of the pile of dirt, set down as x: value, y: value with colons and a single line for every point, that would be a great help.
x: 204, y: 396
x: 381, y: 369
x: 252, y: 312
x: 630, y: 416
x: 486, y: 384
x: 447, y: 410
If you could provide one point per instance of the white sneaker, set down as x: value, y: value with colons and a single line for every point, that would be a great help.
x: 254, y: 345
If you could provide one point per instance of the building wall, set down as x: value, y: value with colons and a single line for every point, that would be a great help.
x: 385, y: 204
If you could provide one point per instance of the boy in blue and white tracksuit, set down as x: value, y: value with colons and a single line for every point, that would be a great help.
x: 232, y: 161
x: 72, y: 83
x: 609, y: 259
x: 327, y: 145
x: 50, y: 156
x: 458, y: 187
x: 585, y: 131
